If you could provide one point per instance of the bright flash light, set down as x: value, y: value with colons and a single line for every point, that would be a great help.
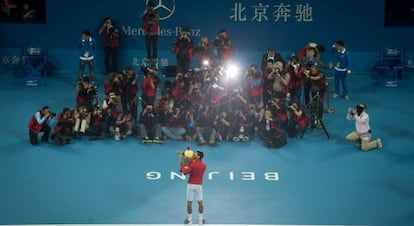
x: 232, y: 71
x: 205, y: 63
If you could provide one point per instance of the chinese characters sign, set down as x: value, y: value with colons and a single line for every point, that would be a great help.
x: 278, y: 12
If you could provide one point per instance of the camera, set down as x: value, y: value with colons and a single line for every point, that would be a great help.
x: 53, y: 114
x: 93, y: 91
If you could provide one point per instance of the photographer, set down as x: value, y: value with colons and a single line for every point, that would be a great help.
x: 130, y: 91
x: 124, y: 126
x: 205, y: 129
x: 174, y: 127
x: 362, y: 134
x: 98, y: 124
x: 270, y: 132
x: 224, y: 47
x: 41, y: 121
x: 183, y: 50
x: 278, y: 80
x: 63, y: 128
x: 149, y: 86
x: 151, y: 30
x: 86, y: 92
x: 317, y: 86
x: 110, y: 37
x: 81, y: 116
x: 204, y: 52
x: 311, y: 58
x: 297, y: 120
x: 112, y: 105
x: 149, y: 126
x: 296, y: 79
x: 254, y: 84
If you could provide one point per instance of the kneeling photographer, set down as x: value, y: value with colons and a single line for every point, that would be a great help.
x: 362, y: 134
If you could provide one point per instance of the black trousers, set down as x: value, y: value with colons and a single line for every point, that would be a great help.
x: 111, y: 59
x: 45, y: 137
x: 151, y: 45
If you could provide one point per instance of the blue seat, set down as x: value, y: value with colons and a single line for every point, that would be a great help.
x: 34, y: 62
x: 390, y: 68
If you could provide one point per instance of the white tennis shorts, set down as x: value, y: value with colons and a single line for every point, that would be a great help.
x: 194, y: 192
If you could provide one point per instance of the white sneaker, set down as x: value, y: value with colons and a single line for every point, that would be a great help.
x: 201, y: 222
x: 379, y: 143
x: 188, y: 221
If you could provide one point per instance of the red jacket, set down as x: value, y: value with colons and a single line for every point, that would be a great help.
x: 34, y: 126
x: 147, y: 89
x: 196, y: 169
x: 151, y: 25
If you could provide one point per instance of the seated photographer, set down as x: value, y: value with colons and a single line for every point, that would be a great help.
x: 279, y: 110
x: 98, y: 124
x: 124, y: 126
x: 223, y: 126
x: 81, y: 116
x: 190, y: 125
x: 253, y: 119
x: 270, y: 131
x: 112, y: 105
x: 41, y: 121
x: 174, y: 127
x: 205, y: 128
x: 150, y: 126
x: 86, y: 93
x: 63, y: 129
x: 240, y: 128
x: 362, y: 134
x: 239, y: 99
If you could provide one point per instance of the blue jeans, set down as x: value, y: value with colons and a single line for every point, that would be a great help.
x: 82, y: 68
x: 341, y: 77
x: 173, y: 132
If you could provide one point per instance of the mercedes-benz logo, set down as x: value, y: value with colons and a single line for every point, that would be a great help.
x: 165, y: 8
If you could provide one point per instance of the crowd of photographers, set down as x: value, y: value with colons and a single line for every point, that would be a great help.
x: 208, y: 104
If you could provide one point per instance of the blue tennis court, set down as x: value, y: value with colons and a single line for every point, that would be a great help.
x: 313, y: 181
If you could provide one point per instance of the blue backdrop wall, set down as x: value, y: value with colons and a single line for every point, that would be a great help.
x: 253, y: 25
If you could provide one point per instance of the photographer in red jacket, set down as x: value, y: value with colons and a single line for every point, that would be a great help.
x: 40, y: 122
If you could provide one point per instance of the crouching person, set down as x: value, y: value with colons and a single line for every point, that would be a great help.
x: 270, y: 132
x: 63, y: 128
x: 98, y: 124
x: 124, y: 126
x: 41, y: 121
x: 81, y: 117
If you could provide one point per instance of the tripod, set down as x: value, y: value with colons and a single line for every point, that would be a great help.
x: 328, y: 109
x: 315, y: 109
